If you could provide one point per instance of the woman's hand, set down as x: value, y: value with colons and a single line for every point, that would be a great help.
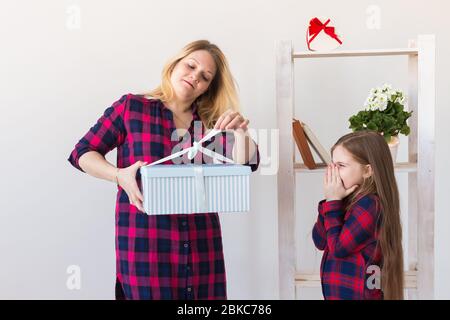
x: 231, y: 120
x: 244, y: 147
x: 126, y: 178
x: 332, y: 184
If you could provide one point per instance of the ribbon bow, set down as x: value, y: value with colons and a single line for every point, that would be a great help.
x: 196, y: 147
x: 316, y: 26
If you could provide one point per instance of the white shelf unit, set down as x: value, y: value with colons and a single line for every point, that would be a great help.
x: 419, y: 279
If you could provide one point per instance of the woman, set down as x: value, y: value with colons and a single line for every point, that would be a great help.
x: 167, y: 256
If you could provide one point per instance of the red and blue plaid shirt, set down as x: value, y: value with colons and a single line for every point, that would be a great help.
x: 350, y: 243
x: 176, y: 256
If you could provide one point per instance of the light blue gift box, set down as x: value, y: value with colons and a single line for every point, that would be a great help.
x: 190, y: 188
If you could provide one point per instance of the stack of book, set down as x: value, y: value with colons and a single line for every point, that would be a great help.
x: 304, y: 138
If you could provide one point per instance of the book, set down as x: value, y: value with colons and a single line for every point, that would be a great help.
x: 302, y: 144
x: 323, y: 154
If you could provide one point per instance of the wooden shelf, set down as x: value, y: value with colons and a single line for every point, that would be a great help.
x: 306, y: 280
x: 399, y: 167
x: 421, y: 60
x: 356, y: 53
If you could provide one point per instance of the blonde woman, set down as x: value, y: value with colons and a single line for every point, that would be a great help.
x: 174, y: 256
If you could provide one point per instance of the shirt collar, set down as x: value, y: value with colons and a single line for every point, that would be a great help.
x: 194, y: 108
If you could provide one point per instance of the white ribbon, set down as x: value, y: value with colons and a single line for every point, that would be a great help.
x: 199, y: 179
x: 192, y: 151
x: 200, y: 189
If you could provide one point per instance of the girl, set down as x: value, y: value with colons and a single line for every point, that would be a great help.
x: 358, y: 225
x: 172, y: 256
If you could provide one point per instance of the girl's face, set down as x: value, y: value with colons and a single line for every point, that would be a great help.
x: 351, y: 172
x: 192, y: 75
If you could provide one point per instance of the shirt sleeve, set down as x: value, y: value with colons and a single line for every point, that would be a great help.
x: 319, y: 233
x: 352, y: 235
x: 105, y: 135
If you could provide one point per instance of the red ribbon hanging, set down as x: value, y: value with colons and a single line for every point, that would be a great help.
x: 316, y: 26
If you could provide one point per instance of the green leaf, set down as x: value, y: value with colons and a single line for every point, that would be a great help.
x: 406, y: 130
x: 372, y: 126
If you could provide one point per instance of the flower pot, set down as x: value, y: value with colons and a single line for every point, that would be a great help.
x: 393, y: 147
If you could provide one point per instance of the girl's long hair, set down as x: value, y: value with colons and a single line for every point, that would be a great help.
x: 221, y: 94
x: 370, y: 148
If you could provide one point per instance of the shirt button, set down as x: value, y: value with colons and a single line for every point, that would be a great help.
x: 189, y: 289
x: 184, y: 223
x: 186, y: 245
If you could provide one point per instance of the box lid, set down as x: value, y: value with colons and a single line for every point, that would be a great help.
x: 187, y: 170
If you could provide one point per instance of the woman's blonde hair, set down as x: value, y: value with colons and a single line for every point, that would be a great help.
x: 221, y: 93
x: 370, y: 148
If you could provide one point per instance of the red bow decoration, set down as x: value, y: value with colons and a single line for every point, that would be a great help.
x: 316, y: 26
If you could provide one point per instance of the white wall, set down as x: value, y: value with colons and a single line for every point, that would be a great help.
x: 55, y: 81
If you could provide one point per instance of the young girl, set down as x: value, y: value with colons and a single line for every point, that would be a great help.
x: 358, y: 225
x: 175, y: 256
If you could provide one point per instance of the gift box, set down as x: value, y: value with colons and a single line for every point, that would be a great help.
x: 190, y: 188
x: 195, y: 188
x: 321, y: 36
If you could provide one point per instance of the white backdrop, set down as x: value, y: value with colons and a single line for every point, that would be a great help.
x: 63, y: 62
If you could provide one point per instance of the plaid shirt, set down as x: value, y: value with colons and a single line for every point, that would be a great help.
x: 176, y: 256
x: 349, y: 241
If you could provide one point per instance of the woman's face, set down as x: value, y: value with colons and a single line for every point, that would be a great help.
x: 193, y: 74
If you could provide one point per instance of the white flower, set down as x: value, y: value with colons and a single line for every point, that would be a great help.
x: 380, y: 97
x: 382, y: 104
x: 368, y: 103
x: 386, y: 87
x: 402, y: 100
x: 391, y: 95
